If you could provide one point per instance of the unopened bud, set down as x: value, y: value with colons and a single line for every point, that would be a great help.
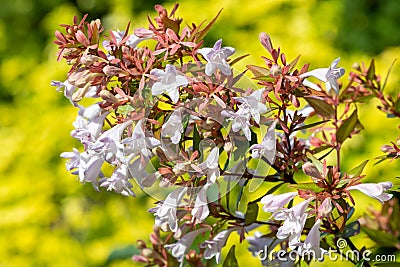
x: 147, y: 252
x: 326, y: 207
x: 113, y: 71
x: 228, y: 147
x: 276, y: 70
x: 140, y: 258
x: 311, y: 170
x: 141, y: 244
x: 108, y: 96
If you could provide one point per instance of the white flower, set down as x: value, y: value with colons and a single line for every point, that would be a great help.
x: 74, y: 159
x: 90, y: 168
x: 272, y: 203
x: 327, y: 75
x: 168, y: 82
x: 253, y: 105
x: 139, y: 143
x: 173, y: 127
x: 240, y: 120
x: 374, y: 190
x: 216, y: 58
x: 166, y: 213
x: 200, y: 210
x: 311, y: 245
x: 325, y: 208
x: 267, y: 148
x: 179, y: 249
x: 211, y: 166
x: 294, y: 220
x: 118, y: 182
x: 215, y: 245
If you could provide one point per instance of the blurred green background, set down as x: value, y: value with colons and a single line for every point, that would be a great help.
x: 47, y: 218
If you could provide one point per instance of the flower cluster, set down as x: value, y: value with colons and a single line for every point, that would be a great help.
x: 160, y: 111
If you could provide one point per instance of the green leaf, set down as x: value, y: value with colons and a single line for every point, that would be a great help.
x: 360, y: 263
x: 309, y: 125
x: 381, y: 238
x: 347, y: 127
x: 258, y: 71
x: 196, y: 138
x: 125, y: 110
x: 293, y: 64
x: 321, y: 107
x: 352, y: 229
x: 316, y: 162
x: 356, y: 171
x: 231, y: 260
x: 122, y: 253
x: 387, y: 75
x: 251, y: 213
x: 371, y: 70
x: 307, y: 186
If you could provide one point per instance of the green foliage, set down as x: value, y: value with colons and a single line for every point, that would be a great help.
x: 47, y: 217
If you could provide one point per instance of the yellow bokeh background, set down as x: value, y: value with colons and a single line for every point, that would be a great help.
x: 47, y: 218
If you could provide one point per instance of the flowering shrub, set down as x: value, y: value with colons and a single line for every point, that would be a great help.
x: 173, y: 118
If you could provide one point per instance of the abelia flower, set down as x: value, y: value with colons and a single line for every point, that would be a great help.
x: 74, y: 159
x: 240, y: 120
x: 168, y: 82
x: 253, y: 104
x: 216, y: 58
x: 179, y: 249
x: 138, y: 144
x: 166, y: 213
x: 325, y: 208
x: 273, y: 203
x: 173, y: 127
x: 327, y: 75
x: 215, y: 245
x: 267, y: 148
x: 118, y: 182
x: 311, y: 245
x: 200, y: 210
x: 211, y: 165
x: 374, y: 190
x: 294, y: 220
x: 90, y: 168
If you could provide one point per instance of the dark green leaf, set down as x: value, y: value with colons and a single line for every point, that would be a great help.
x: 347, y: 127
x: 381, y: 238
x: 251, y: 213
x: 309, y: 125
x: 352, y: 229
x: 122, y: 253
x: 321, y: 107
x: 360, y: 263
x: 231, y: 260
x: 356, y: 171
x: 196, y: 138
x: 307, y: 186
x: 387, y: 75
x: 371, y: 70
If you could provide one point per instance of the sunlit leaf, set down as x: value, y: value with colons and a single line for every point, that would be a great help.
x: 251, y: 213
x: 347, y: 127
x: 231, y: 260
x: 356, y: 171
x: 321, y: 107
x: 381, y: 238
